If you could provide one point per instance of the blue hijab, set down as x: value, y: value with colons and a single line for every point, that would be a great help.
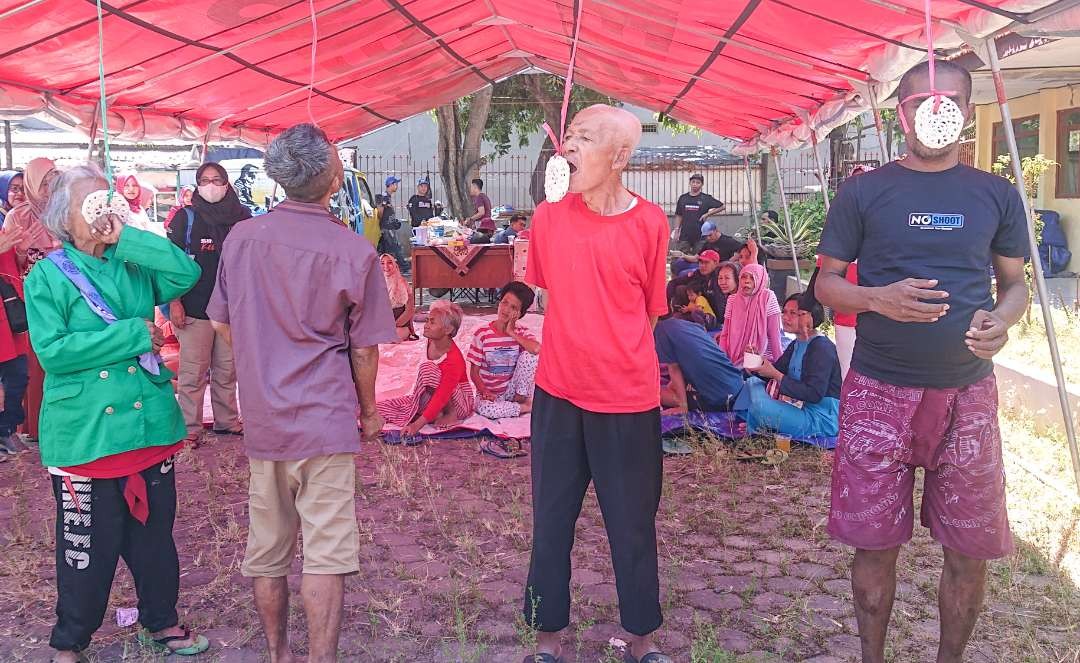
x: 5, y: 182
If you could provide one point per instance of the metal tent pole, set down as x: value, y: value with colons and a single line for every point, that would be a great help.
x: 877, y: 123
x: 750, y: 191
x: 787, y: 217
x: 820, y: 171
x: 1040, y: 280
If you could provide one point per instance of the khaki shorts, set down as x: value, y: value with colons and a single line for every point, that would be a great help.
x: 313, y: 495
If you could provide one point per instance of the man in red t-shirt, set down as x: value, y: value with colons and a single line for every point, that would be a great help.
x: 596, y: 409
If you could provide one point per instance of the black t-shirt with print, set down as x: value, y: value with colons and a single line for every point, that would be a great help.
x: 420, y: 209
x: 900, y: 223
x: 690, y: 208
x: 205, y: 250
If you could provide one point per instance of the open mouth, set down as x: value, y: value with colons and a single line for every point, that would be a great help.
x: 573, y: 167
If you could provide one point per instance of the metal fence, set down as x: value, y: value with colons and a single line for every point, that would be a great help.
x: 507, y: 180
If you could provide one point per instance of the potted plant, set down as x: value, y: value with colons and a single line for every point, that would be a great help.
x: 807, y: 221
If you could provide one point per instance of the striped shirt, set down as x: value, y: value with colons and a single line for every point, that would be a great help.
x: 496, y: 355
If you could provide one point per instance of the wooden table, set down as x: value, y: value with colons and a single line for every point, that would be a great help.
x: 493, y: 269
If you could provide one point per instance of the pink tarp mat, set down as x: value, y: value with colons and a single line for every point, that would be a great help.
x: 397, y: 374
x: 240, y: 70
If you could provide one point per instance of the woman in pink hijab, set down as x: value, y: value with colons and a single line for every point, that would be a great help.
x: 37, y: 241
x: 752, y: 318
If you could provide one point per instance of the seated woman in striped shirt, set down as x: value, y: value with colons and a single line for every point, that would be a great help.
x: 442, y: 395
x: 503, y: 358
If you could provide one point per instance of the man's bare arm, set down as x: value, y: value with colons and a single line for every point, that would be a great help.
x: 902, y: 301
x: 365, y: 369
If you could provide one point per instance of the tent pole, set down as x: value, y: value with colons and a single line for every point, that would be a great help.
x: 787, y: 217
x: 1040, y: 280
x: 750, y: 191
x: 820, y: 171
x: 885, y: 157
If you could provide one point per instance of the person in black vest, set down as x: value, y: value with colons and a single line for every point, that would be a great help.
x: 200, y: 229
x: 420, y: 206
x: 389, y: 224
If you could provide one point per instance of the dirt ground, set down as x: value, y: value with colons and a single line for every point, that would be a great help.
x: 747, y: 571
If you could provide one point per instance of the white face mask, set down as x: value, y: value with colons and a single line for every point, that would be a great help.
x: 213, y: 193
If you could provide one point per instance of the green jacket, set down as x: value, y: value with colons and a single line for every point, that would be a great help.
x: 98, y: 400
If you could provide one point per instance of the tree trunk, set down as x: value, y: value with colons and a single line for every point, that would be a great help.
x: 460, y: 148
x: 552, y: 107
x: 888, y: 139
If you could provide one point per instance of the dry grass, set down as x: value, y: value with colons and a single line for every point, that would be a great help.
x: 1028, y: 346
x: 746, y: 567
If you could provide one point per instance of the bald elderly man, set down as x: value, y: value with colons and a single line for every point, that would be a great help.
x: 596, y: 410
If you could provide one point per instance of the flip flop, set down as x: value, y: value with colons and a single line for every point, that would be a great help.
x: 502, y: 449
x: 162, y: 644
x: 651, y: 657
x: 228, y: 431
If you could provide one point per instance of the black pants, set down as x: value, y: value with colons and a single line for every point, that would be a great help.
x: 621, y: 455
x: 14, y: 378
x: 89, y: 543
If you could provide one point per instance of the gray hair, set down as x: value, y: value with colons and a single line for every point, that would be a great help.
x: 299, y: 160
x: 449, y: 313
x: 55, y: 216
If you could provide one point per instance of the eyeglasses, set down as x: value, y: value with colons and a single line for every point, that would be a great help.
x: 217, y: 180
x: 16, y: 188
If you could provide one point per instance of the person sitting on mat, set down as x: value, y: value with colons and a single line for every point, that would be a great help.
x: 402, y: 298
x: 807, y: 378
x: 694, y: 360
x: 503, y: 358
x: 687, y: 304
x: 751, y: 318
x: 442, y: 395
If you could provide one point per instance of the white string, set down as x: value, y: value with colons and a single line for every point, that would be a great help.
x: 314, y: 51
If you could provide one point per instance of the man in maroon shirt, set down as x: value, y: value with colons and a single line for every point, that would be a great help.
x: 304, y: 305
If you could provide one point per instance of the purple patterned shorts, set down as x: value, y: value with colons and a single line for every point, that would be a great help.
x: 885, y: 433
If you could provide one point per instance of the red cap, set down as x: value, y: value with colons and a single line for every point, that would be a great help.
x: 709, y: 255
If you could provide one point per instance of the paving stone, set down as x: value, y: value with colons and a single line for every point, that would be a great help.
x: 727, y: 555
x: 197, y: 578
x: 770, y: 602
x: 698, y: 540
x: 812, y: 571
x: 496, y: 591
x: 734, y: 640
x: 602, y: 594
x: 758, y: 656
x: 394, y: 539
x: 707, y: 599
x: 586, y: 577
x: 773, y: 557
x: 429, y: 568
x: 828, y: 605
x: 733, y: 583
x: 498, y: 629
x: 840, y: 587
x: 741, y: 542
x: 689, y: 582
x: 846, y: 646
x: 788, y: 585
x: 822, y: 624
x: 756, y: 569
x: 796, y: 545
x: 824, y: 658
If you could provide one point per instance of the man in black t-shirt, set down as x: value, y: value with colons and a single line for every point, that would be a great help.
x: 691, y: 210
x: 420, y: 206
x: 921, y: 390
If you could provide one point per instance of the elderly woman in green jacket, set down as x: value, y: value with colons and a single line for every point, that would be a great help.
x: 110, y: 425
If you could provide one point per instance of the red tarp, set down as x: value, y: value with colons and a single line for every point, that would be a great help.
x: 240, y: 69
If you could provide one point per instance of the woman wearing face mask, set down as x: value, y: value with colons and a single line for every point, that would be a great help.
x: 200, y: 230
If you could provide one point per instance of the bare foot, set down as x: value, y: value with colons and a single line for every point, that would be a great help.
x: 65, y: 657
x: 445, y: 420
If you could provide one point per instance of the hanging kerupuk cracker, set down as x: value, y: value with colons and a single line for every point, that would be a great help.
x: 557, y: 172
x: 102, y: 203
x: 938, y: 120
